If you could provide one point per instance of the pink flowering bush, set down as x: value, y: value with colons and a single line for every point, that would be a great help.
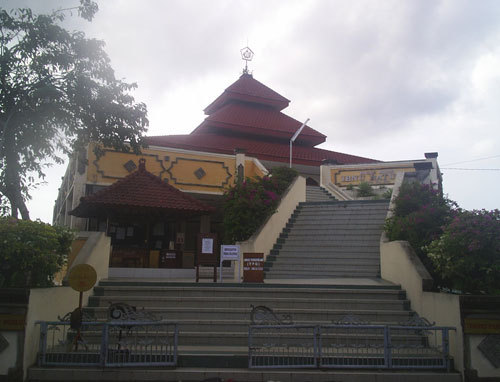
x: 461, y: 249
x: 247, y: 205
x: 420, y: 213
x: 467, y: 254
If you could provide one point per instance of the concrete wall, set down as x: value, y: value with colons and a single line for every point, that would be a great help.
x: 47, y: 304
x: 400, y: 265
x: 94, y: 252
x: 9, y: 355
x: 478, y: 361
x: 264, y: 239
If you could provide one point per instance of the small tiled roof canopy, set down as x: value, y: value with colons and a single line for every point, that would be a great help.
x: 140, y: 193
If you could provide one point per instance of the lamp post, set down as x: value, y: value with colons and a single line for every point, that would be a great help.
x: 295, y: 137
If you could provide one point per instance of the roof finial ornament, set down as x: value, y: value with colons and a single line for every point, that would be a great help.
x: 142, y: 164
x: 246, y: 55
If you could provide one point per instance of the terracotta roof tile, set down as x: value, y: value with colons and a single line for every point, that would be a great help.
x: 259, y: 120
x: 265, y: 150
x: 248, y: 89
x: 141, y: 189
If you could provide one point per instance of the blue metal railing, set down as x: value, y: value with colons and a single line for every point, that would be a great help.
x: 349, y: 346
x: 113, y: 344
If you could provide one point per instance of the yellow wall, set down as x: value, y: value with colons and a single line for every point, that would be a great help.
x: 178, y: 168
x: 252, y: 170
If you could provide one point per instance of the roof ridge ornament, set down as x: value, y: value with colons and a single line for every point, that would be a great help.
x: 246, y: 55
x: 142, y: 164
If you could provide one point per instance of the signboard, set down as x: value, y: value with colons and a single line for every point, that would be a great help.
x: 253, y: 267
x: 179, y: 238
x: 207, y: 249
x: 207, y: 245
x: 207, y: 253
x: 13, y: 322
x: 82, y: 277
x: 230, y: 253
x: 170, y: 259
x: 481, y: 326
x: 375, y: 176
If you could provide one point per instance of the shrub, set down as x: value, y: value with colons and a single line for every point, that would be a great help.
x: 247, y: 205
x: 387, y: 194
x: 467, y: 255
x: 365, y: 189
x: 31, y: 252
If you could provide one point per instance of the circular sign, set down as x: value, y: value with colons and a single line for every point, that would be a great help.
x: 82, y: 277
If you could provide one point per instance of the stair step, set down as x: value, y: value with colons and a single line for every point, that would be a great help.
x: 175, y: 314
x: 212, y: 369
x: 245, y: 302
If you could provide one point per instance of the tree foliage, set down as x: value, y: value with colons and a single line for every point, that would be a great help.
x: 461, y: 249
x: 58, y: 92
x: 31, y: 252
x: 419, y: 215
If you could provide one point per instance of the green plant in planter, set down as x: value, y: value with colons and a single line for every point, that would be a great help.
x: 365, y: 189
x: 387, y: 194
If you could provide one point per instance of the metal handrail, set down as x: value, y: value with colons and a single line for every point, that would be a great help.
x: 349, y: 346
x: 110, y: 344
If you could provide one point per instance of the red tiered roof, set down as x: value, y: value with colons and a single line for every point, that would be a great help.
x: 248, y: 89
x: 247, y: 116
x: 265, y: 150
x: 142, y: 192
x: 261, y: 121
x: 250, y: 107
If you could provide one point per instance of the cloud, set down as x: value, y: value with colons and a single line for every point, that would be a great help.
x: 388, y: 80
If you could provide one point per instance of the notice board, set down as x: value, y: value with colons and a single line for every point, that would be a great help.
x: 253, y: 267
x: 207, y: 253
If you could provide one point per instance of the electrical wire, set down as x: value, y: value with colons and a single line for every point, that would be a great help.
x: 472, y: 160
x: 469, y: 169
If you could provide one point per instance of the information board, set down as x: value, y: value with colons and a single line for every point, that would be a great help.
x: 230, y: 253
x: 207, y: 254
x: 253, y: 267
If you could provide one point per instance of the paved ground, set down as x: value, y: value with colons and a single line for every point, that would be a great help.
x: 330, y: 281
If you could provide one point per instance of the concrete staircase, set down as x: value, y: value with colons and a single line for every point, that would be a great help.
x: 329, y: 239
x: 213, y: 326
x: 318, y: 194
x: 323, y: 240
x: 213, y: 319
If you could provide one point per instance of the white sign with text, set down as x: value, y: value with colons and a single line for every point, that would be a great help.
x: 230, y: 253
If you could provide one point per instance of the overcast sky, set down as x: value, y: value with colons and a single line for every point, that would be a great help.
x: 389, y: 80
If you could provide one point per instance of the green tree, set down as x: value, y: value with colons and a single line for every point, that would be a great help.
x: 58, y: 92
x: 31, y: 252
